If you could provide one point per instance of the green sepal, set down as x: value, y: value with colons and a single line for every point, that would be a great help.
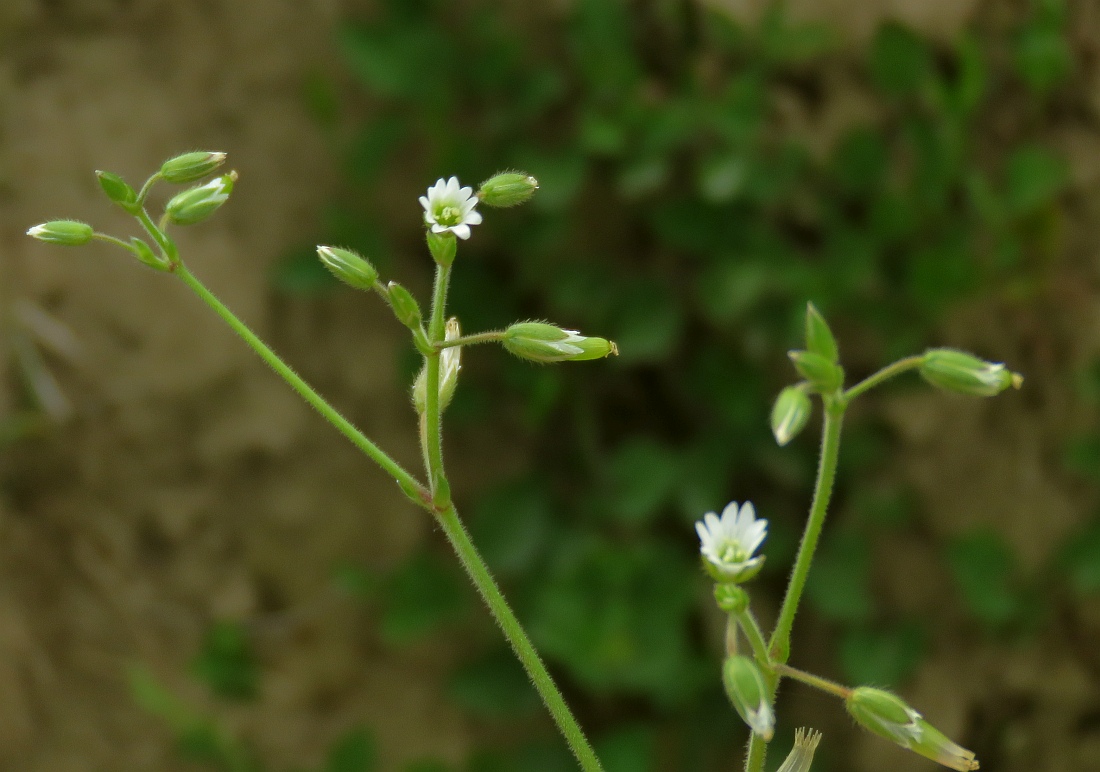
x: 790, y: 413
x: 819, y: 338
x: 507, y: 189
x: 349, y: 267
x: 67, y: 233
x: 190, y: 166
x: 118, y: 190
x: 824, y: 376
x: 404, y: 306
x: 146, y: 255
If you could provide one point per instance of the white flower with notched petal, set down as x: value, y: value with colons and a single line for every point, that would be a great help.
x: 727, y: 543
x: 449, y: 208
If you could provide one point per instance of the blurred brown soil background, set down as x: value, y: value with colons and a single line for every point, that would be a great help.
x: 190, y: 485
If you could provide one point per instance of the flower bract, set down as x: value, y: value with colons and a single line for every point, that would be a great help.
x: 727, y: 544
x: 449, y: 208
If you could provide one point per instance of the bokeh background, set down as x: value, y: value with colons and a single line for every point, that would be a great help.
x: 197, y: 573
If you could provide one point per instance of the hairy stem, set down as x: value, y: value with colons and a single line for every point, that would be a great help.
x: 885, y: 374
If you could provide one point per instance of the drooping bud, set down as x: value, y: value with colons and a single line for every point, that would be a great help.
x: 68, y: 233
x: 730, y: 597
x: 450, y: 362
x: 790, y: 414
x: 819, y: 338
x: 443, y: 247
x: 802, y: 754
x: 349, y: 267
x: 825, y: 376
x: 145, y: 254
x: 196, y: 204
x: 118, y: 190
x: 541, y: 342
x: 190, y: 166
x: 888, y: 716
x: 745, y: 688
x: 957, y: 371
x: 404, y: 305
x: 507, y: 189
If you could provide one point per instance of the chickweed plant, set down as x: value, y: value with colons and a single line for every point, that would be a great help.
x: 755, y: 663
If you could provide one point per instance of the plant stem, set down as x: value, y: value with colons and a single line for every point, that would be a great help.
x: 780, y: 644
x: 408, y: 483
x: 755, y: 637
x: 824, y: 684
x: 492, y: 336
x: 886, y: 373
x: 433, y: 452
x: 521, y: 644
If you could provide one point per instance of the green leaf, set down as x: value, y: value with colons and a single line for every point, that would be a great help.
x: 839, y: 586
x: 985, y: 572
x: 643, y: 477
x: 494, y: 686
x: 900, y: 61
x: 1034, y: 176
x: 886, y: 657
x: 1079, y: 558
x: 1042, y: 56
x: 226, y: 663
x: 860, y: 161
x: 422, y: 595
x: 354, y: 751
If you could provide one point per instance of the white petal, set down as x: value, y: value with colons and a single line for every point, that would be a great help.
x: 462, y: 231
x: 756, y: 537
x: 437, y: 228
x: 704, y: 534
x: 730, y: 512
x: 473, y: 218
x: 465, y: 193
x: 452, y: 188
x: 714, y: 525
x: 425, y: 203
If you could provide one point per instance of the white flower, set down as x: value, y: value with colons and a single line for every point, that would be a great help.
x: 802, y: 754
x: 449, y: 208
x: 727, y: 544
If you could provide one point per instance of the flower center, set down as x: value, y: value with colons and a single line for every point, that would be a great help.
x: 448, y: 215
x: 732, y: 552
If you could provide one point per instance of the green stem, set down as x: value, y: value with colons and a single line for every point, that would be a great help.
x: 492, y: 336
x: 406, y: 481
x: 144, y: 192
x: 824, y: 684
x: 758, y: 750
x: 780, y: 644
x: 755, y: 637
x: 521, y: 644
x: 167, y: 248
x: 434, y: 430
x: 886, y: 373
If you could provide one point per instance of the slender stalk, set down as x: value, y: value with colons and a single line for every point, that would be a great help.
x: 886, y: 373
x: 755, y: 637
x: 521, y: 644
x: 758, y: 751
x: 408, y: 483
x: 436, y: 334
x: 469, y: 340
x: 112, y: 240
x: 824, y: 684
x: 780, y: 644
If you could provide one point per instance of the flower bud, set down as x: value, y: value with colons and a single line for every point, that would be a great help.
x: 145, y: 254
x: 349, y: 267
x: 957, y: 371
x: 790, y: 414
x: 507, y: 189
x: 819, y: 338
x: 190, y: 166
x: 825, y: 376
x: 887, y: 715
x: 541, y: 342
x: 69, y: 233
x: 118, y: 190
x: 442, y: 246
x: 196, y: 204
x: 745, y: 688
x: 802, y: 754
x: 450, y: 362
x: 404, y: 305
x: 730, y: 597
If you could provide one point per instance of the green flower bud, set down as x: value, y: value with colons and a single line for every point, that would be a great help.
x: 69, y: 233
x: 541, y: 342
x: 196, y: 204
x: 790, y: 414
x: 404, y: 306
x: 731, y: 598
x: 507, y: 189
x: 825, y: 376
x: 745, y: 688
x: 888, y: 716
x: 802, y: 754
x: 442, y: 246
x: 118, y: 190
x: 190, y: 166
x: 349, y: 267
x: 819, y: 338
x: 964, y: 373
x: 145, y: 254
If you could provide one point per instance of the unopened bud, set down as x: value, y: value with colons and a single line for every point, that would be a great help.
x: 888, y: 716
x: 790, y: 414
x: 541, y: 342
x: 746, y: 690
x: 190, y: 166
x: 825, y: 376
x: 69, y: 233
x: 196, y: 204
x: 442, y: 246
x: 731, y: 598
x: 404, y: 305
x: 957, y: 371
x: 450, y: 362
x: 507, y: 189
x: 802, y: 754
x: 349, y: 267
x: 819, y: 338
x: 145, y: 254
x: 118, y: 190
